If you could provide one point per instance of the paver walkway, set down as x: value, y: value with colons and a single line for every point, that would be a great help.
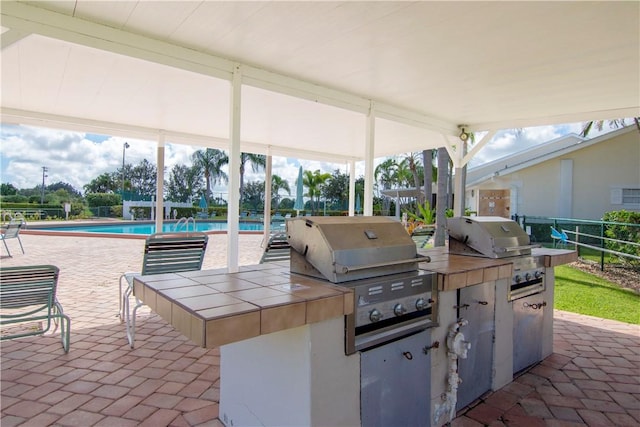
x: 593, y: 377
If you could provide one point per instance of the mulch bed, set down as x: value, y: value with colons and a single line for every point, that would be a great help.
x: 625, y: 277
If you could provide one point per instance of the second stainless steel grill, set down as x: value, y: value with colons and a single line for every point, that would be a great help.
x: 497, y: 237
x: 376, y: 258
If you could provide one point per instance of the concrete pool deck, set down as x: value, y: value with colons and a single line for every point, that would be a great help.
x: 593, y: 377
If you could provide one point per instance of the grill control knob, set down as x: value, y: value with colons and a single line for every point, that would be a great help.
x: 421, y: 304
x: 375, y: 315
x: 538, y: 274
x: 517, y: 278
x: 527, y: 276
x: 399, y: 310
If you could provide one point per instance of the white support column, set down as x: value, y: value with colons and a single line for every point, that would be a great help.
x: 267, y: 195
x: 367, y: 207
x: 459, y: 187
x: 160, y: 184
x: 233, y: 206
x: 352, y: 187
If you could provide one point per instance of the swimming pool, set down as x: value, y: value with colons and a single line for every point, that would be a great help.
x: 145, y: 228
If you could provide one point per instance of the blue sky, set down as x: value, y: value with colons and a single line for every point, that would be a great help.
x: 77, y: 157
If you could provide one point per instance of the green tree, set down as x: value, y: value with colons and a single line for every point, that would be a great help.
x: 258, y: 162
x: 385, y: 176
x: 385, y: 173
x: 71, y: 191
x: 277, y: 184
x: 8, y: 190
x: 414, y: 165
x: 254, y: 195
x: 104, y: 183
x: 314, y: 182
x: 143, y: 178
x: 210, y: 163
x: 286, y: 203
x: 185, y: 182
x: 336, y: 189
x: 403, y: 174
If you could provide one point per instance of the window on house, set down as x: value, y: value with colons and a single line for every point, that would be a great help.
x: 626, y: 197
x: 631, y: 196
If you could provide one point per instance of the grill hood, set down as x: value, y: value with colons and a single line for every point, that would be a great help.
x: 487, y: 236
x: 340, y: 249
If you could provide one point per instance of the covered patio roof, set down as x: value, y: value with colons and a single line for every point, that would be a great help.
x: 311, y: 72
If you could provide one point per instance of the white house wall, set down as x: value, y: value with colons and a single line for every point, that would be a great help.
x: 596, y: 171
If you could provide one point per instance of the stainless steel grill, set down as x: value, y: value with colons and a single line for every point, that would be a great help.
x: 497, y: 237
x: 376, y: 258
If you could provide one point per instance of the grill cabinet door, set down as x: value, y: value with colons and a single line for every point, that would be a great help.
x: 528, y: 315
x: 477, y: 305
x: 396, y: 383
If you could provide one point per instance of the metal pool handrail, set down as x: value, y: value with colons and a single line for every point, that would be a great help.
x: 184, y: 222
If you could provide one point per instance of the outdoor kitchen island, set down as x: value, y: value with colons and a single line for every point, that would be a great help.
x: 282, y: 341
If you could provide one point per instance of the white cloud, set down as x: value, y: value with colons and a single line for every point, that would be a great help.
x: 77, y: 158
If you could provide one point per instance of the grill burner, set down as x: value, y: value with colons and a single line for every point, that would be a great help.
x: 376, y: 258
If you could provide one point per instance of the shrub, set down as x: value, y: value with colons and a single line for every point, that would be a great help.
x: 103, y: 199
x: 625, y: 226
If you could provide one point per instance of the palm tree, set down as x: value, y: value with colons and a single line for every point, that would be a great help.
x: 277, y: 184
x: 384, y: 173
x: 314, y: 181
x: 413, y: 162
x: 210, y: 162
x: 599, y: 124
x: 258, y: 161
x: 385, y: 178
x: 403, y: 174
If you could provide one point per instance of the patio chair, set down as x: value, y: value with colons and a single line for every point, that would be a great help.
x: 277, y: 249
x: 560, y: 238
x: 12, y: 231
x: 27, y: 295
x: 163, y: 253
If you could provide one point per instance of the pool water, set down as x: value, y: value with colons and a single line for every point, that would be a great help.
x: 146, y: 228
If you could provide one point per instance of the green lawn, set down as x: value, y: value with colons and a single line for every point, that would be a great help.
x: 584, y: 293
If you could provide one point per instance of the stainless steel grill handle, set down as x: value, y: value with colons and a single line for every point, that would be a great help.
x: 514, y: 248
x: 343, y: 269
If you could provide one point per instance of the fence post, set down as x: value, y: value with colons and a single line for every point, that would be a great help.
x: 577, y: 244
x: 602, y: 246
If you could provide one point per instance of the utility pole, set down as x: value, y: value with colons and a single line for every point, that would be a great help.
x: 44, y: 175
x: 124, y: 147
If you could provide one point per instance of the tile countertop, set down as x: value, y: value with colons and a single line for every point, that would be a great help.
x: 459, y: 271
x: 214, y: 308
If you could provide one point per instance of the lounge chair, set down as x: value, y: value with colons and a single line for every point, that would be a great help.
x: 163, y: 253
x: 277, y: 249
x: 560, y: 238
x: 27, y: 295
x: 12, y: 232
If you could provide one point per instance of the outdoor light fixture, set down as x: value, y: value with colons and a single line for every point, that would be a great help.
x: 464, y: 135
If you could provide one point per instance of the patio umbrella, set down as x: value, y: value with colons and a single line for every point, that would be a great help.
x: 299, y: 205
x: 203, y: 202
x: 358, y: 204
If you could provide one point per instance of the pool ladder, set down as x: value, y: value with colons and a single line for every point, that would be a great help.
x: 184, y: 223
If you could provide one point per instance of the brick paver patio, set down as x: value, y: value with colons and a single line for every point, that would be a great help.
x: 593, y: 377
